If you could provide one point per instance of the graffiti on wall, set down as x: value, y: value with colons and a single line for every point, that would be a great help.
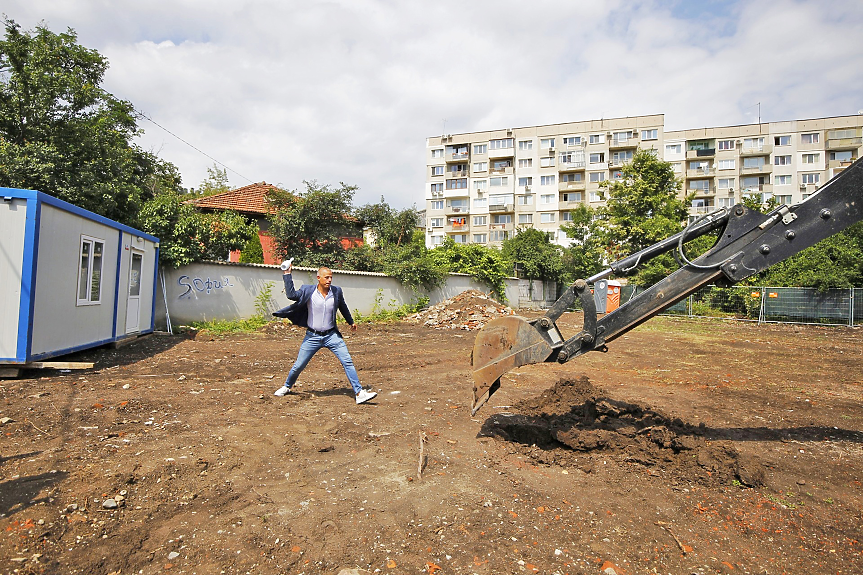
x: 199, y: 285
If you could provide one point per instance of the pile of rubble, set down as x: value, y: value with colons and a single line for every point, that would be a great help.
x: 469, y: 310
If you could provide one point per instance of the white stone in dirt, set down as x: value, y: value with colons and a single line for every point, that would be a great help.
x: 354, y: 572
x: 109, y: 504
x: 173, y: 555
x: 5, y: 420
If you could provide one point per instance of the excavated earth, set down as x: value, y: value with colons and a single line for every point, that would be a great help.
x: 692, y: 446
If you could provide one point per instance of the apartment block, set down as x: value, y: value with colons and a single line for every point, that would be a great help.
x: 482, y: 187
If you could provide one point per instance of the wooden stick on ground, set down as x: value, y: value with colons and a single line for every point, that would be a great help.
x: 665, y: 526
x: 422, y: 461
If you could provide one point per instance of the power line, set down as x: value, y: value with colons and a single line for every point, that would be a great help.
x: 149, y: 119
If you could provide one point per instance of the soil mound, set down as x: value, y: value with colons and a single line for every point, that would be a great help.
x: 469, y: 310
x: 574, y: 424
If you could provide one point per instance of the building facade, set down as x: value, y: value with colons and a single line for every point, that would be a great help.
x: 482, y: 186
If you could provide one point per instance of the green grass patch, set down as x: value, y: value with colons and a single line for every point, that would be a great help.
x: 224, y: 327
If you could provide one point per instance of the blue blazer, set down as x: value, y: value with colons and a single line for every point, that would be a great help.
x: 298, y: 312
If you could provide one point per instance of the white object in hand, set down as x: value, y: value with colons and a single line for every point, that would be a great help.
x: 286, y: 264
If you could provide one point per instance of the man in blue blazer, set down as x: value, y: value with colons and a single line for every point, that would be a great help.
x: 315, y: 310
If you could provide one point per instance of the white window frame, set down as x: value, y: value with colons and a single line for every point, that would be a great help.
x: 437, y: 153
x: 480, y: 185
x: 546, y: 162
x: 547, y: 217
x: 572, y: 141
x: 525, y: 144
x: 726, y: 164
x: 92, y: 274
x: 596, y: 177
x: 810, y: 158
x: 480, y: 166
x: 480, y: 220
x: 596, y: 139
x: 498, y: 181
x: 480, y: 238
x: 480, y: 149
x: 650, y: 134
x: 524, y: 200
x: 437, y: 170
x: 525, y: 163
x: 600, y: 158
x: 525, y: 219
x: 547, y: 199
x: 673, y: 148
x: 480, y: 203
x: 782, y: 160
x: 436, y: 205
x: 525, y: 181
x: 546, y: 143
x: 810, y: 138
x: 725, y: 144
x: 436, y: 222
x: 546, y: 180
x: 782, y: 180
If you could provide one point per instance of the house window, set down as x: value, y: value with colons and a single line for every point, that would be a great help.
x: 525, y: 218
x: 525, y: 163
x: 437, y: 187
x: 726, y: 164
x: 753, y: 143
x: 726, y: 144
x: 90, y: 271
x: 596, y: 138
x: 480, y: 202
x: 502, y: 219
x: 458, y: 205
x: 547, y: 217
x: 725, y: 183
x: 812, y: 138
x: 522, y: 182
x: 437, y: 170
x: 571, y: 177
x: 810, y: 178
x: 546, y: 180
x: 546, y: 162
x: 783, y: 180
x: 480, y: 220
x: 700, y: 185
x: 436, y: 204
x: 616, y: 174
x: 498, y: 235
x: 597, y: 158
x: 782, y: 160
x: 782, y: 141
x: 576, y: 158
x: 783, y: 200
x: 547, y: 198
x: 458, y: 169
x: 436, y: 222
x: 597, y: 177
x: 437, y: 153
x: 501, y: 181
x: 457, y: 184
x: 459, y: 238
x: 480, y: 166
x: 545, y: 143
x: 674, y: 148
x: 500, y: 144
x: 525, y: 145
x: 480, y: 148
x: 649, y: 134
x: 810, y: 158
x: 572, y: 141
x: 480, y: 238
x: 524, y: 200
x: 480, y: 185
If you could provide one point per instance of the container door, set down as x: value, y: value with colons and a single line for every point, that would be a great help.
x: 133, y: 307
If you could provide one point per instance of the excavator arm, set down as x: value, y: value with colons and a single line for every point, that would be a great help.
x: 749, y: 243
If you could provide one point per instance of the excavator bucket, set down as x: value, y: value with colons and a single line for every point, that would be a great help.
x: 503, y: 344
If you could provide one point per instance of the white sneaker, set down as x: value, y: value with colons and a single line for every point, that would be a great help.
x: 364, y: 396
x: 282, y: 391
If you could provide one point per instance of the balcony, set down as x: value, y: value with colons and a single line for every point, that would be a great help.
x: 501, y: 171
x: 704, y: 153
x: 839, y: 165
x: 571, y: 186
x: 700, y: 173
x: 757, y: 150
x: 763, y: 169
x: 577, y: 166
x: 501, y: 153
x: 458, y: 157
x: 501, y: 208
x: 844, y: 143
x: 756, y: 189
x: 623, y: 143
x: 701, y: 209
x: 708, y: 191
x: 618, y: 163
x: 456, y: 227
x: 457, y: 210
x: 571, y: 205
x: 501, y: 227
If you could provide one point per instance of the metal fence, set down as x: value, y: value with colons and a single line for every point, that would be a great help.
x: 770, y: 304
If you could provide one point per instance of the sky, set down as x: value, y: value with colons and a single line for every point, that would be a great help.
x: 288, y: 91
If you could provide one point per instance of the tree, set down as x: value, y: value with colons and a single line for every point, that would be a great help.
x: 187, y: 235
x: 62, y: 134
x: 388, y: 225
x: 253, y: 251
x: 484, y: 264
x: 309, y: 225
x: 584, y: 257
x: 216, y: 182
x: 532, y: 250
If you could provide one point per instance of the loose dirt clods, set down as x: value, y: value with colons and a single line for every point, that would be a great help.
x: 469, y: 310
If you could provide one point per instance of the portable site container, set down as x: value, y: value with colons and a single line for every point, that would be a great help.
x: 69, y: 279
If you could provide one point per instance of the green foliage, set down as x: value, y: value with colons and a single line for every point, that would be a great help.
x: 753, y: 202
x: 309, y: 225
x: 62, y: 134
x: 253, y: 251
x: 393, y: 312
x: 187, y: 235
x: 585, y: 256
x: 222, y: 327
x: 216, y: 182
x: 263, y: 300
x: 484, y: 264
x: 390, y: 227
x: 533, y: 252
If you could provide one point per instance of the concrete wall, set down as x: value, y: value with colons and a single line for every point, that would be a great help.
x: 226, y: 291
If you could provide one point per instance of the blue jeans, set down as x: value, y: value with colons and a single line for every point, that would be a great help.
x: 310, y: 346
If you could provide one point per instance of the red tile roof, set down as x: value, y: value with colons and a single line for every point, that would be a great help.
x: 249, y: 199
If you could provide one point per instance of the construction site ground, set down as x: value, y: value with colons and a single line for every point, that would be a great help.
x: 691, y: 446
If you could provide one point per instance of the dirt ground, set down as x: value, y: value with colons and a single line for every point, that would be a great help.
x: 692, y: 446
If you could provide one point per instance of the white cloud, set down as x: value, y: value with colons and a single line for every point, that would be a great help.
x: 348, y: 91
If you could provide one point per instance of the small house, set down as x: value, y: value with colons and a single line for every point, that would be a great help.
x: 69, y: 279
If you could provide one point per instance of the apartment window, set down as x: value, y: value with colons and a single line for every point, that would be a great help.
x: 502, y: 219
x: 700, y: 185
x: 480, y: 148
x: 522, y: 182
x: 525, y: 144
x: 782, y: 160
x: 90, y: 271
x: 436, y: 204
x: 480, y: 166
x: 596, y: 138
x: 756, y: 162
x: 595, y: 197
x: 546, y: 180
x: 677, y: 167
x: 726, y: 164
x: 812, y: 138
x: 457, y: 184
x: 524, y: 200
x: 480, y: 185
x: 616, y: 174
x: 699, y: 165
x: 782, y: 141
x: 525, y: 218
x: 458, y: 169
x: 674, y: 148
x: 571, y: 177
x: 753, y: 143
x: 459, y: 238
x: 501, y: 164
x: 480, y: 203
x: 597, y: 176
x: 572, y: 141
x: 571, y: 197
x: 525, y: 163
x: 725, y: 183
x: 501, y: 144
x: 497, y: 182
x: 436, y: 240
x: 437, y: 153
x: 436, y: 222
x: 480, y: 238
x: 498, y: 235
x: 480, y: 220
x: 783, y: 200
x: 565, y: 217
x: 437, y: 170
x: 597, y: 158
x: 724, y: 202
x: 545, y: 143
x: 649, y: 134
x: 621, y: 157
x: 725, y: 144
x: 846, y: 156
x: 783, y: 180
x: 810, y: 178
x: 546, y: 199
x: 841, y: 134
x: 458, y: 204
x: 810, y: 158
x: 437, y: 187
x: 546, y: 162
x: 547, y: 217
x: 576, y: 158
